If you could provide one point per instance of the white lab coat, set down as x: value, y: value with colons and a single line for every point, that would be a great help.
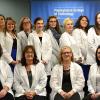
x: 55, y: 48
x: 92, y: 78
x: 6, y: 75
x: 43, y: 49
x: 93, y: 42
x: 67, y: 40
x: 81, y: 38
x: 23, y: 39
x: 21, y: 82
x: 76, y: 76
x: 5, y: 55
x: 8, y: 43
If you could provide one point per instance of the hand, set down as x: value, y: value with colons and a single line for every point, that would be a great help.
x: 63, y: 94
x: 69, y: 94
x: 93, y: 96
x: 44, y: 62
x: 30, y: 94
x: 79, y: 61
x: 3, y: 92
x: 15, y: 62
x: 97, y: 95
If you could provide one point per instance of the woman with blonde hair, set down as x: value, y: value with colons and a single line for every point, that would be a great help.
x: 67, y: 80
x: 67, y: 39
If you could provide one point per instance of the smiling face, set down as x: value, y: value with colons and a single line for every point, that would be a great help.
x: 52, y: 22
x: 98, y: 54
x: 68, y: 25
x: 66, y: 54
x: 2, y: 22
x: 98, y: 18
x: 29, y: 55
x: 26, y: 24
x: 39, y: 25
x: 84, y: 22
x: 10, y: 25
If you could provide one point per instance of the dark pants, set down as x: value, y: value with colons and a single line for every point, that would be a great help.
x: 76, y: 96
x: 37, y: 97
x: 8, y: 96
x: 85, y: 69
x: 48, y: 88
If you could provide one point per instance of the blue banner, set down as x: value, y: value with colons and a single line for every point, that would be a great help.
x: 64, y: 8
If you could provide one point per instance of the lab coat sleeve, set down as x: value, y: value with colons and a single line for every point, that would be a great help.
x: 48, y: 49
x: 17, y: 81
x: 78, y: 81
x: 42, y: 81
x: 9, y: 80
x: 90, y: 87
x: 54, y: 81
x: 91, y: 40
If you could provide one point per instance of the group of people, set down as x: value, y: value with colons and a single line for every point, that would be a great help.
x: 42, y: 63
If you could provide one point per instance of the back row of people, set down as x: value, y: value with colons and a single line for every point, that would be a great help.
x: 47, y: 45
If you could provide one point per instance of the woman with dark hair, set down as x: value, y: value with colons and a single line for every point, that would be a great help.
x: 80, y: 35
x: 94, y: 78
x: 6, y: 80
x: 67, y: 79
x: 53, y: 29
x: 93, y: 40
x: 30, y: 77
x: 43, y: 46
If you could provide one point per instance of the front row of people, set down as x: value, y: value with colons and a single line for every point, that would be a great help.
x: 67, y: 80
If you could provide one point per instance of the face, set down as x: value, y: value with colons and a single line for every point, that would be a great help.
x: 98, y: 19
x: 66, y: 54
x: 52, y: 22
x: 26, y: 24
x: 83, y: 22
x: 2, y: 21
x: 10, y: 25
x: 69, y: 26
x: 39, y: 25
x: 29, y: 54
x: 98, y: 54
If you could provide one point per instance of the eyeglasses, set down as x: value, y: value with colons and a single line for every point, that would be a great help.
x: 53, y: 21
x: 66, y: 53
x: 26, y: 22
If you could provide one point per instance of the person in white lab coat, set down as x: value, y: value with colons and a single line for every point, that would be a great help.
x: 6, y: 80
x: 25, y: 29
x: 80, y: 35
x: 93, y: 40
x: 43, y: 47
x: 11, y: 42
x: 30, y: 77
x: 94, y: 78
x: 5, y: 54
x: 53, y: 29
x: 67, y: 80
x: 67, y: 39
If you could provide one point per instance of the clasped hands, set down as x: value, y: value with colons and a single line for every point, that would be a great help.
x: 30, y: 94
x: 66, y: 95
